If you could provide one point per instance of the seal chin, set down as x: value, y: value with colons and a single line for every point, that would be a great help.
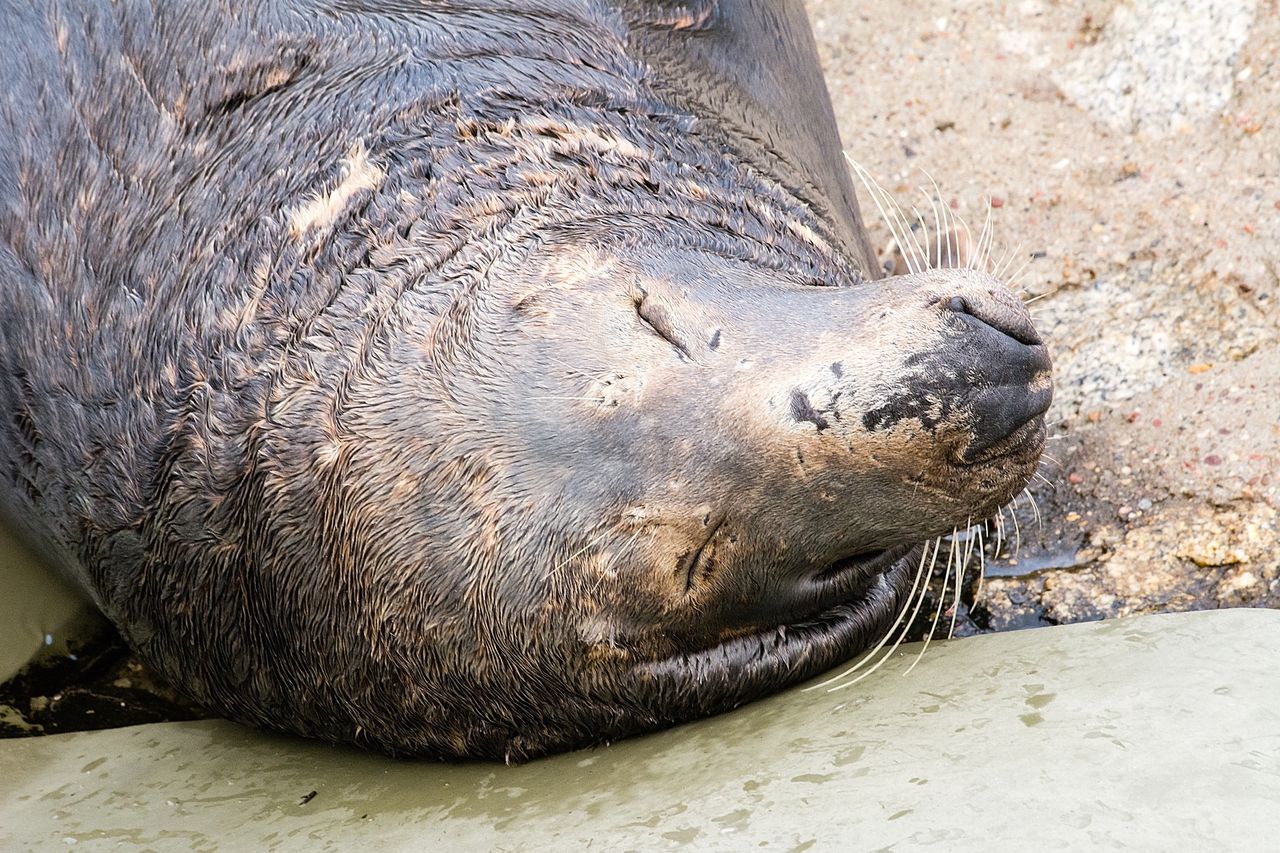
x: 752, y: 663
x: 1023, y: 444
x: 863, y: 563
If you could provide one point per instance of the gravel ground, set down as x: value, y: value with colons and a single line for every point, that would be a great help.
x: 1129, y: 154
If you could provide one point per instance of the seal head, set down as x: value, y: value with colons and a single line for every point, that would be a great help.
x: 465, y: 381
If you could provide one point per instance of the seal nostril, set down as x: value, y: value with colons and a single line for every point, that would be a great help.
x: 1004, y: 315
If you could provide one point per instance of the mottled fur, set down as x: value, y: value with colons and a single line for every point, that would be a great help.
x: 257, y: 401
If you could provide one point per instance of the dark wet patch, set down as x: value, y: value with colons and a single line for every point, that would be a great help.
x: 837, y: 369
x: 98, y: 685
x: 803, y: 410
x: 907, y: 406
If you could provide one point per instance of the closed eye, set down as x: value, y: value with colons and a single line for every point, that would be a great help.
x: 655, y: 317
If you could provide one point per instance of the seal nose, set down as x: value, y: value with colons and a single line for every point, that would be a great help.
x: 1000, y: 311
x: 1000, y: 413
x: 1009, y: 367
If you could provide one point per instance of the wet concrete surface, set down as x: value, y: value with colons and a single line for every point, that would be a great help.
x: 1153, y: 733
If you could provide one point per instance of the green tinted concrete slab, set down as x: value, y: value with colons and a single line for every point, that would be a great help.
x: 1156, y: 733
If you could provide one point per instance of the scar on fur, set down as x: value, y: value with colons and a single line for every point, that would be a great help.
x: 358, y: 173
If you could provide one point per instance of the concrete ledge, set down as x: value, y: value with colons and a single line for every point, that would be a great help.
x: 1153, y: 733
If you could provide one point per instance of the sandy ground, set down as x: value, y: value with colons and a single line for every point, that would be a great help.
x: 1130, y: 152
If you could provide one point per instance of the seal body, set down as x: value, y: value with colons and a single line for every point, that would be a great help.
x: 474, y: 379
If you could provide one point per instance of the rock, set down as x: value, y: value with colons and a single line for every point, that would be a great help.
x: 1161, y: 67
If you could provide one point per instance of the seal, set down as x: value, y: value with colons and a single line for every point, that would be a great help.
x: 474, y: 379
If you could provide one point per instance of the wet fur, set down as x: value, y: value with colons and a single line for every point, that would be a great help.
x: 237, y: 248
x: 177, y: 358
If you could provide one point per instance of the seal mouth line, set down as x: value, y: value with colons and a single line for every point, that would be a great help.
x: 699, y: 562
x: 872, y: 560
x: 827, y: 629
x: 1009, y: 447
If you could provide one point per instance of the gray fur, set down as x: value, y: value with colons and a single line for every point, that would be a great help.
x: 286, y: 296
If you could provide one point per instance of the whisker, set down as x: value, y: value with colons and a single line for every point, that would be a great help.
x: 1042, y: 295
x: 968, y: 235
x: 1021, y: 269
x: 870, y: 653
x: 1035, y: 509
x: 873, y: 189
x: 947, y: 216
x: 982, y: 564
x: 613, y: 559
x: 937, y: 225
x: 589, y: 399
x: 567, y: 366
x: 921, y: 254
x: 923, y: 227
x: 896, y: 223
x: 999, y: 543
x: 943, y: 235
x: 1011, y: 279
x: 1007, y: 261
x: 1017, y: 533
x: 942, y: 597
x: 960, y: 570
x: 578, y: 553
x: 984, y: 241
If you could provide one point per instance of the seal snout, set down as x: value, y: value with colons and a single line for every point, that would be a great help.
x: 1007, y: 375
x: 1002, y: 417
x: 999, y: 311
